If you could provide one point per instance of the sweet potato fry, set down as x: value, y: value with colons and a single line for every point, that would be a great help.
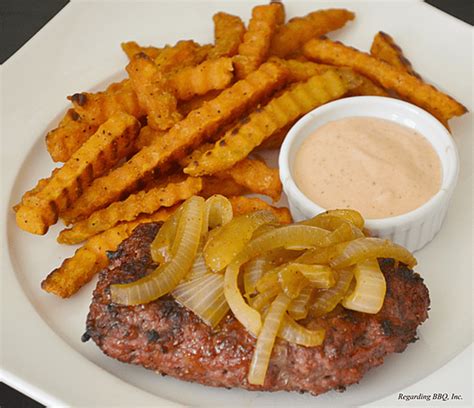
x: 282, y: 110
x: 366, y: 87
x: 386, y: 49
x: 210, y: 75
x: 257, y: 177
x: 199, y: 125
x: 143, y: 202
x: 112, y: 141
x: 196, y: 102
x: 96, y: 108
x: 131, y: 48
x: 244, y: 205
x: 180, y: 55
x: 71, y: 133
x: 276, y: 140
x: 253, y: 175
x: 147, y: 136
x: 256, y: 43
x: 195, y: 154
x: 223, y: 185
x: 27, y: 196
x: 407, y: 86
x: 303, y: 70
x: 290, y: 37
x: 229, y: 31
x: 154, y: 96
x: 76, y: 271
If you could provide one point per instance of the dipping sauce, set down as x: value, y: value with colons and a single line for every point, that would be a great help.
x: 372, y: 165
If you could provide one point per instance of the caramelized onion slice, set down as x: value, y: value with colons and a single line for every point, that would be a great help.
x: 268, y: 280
x: 368, y: 248
x: 332, y: 219
x: 253, y: 271
x: 167, y: 276
x: 292, y: 281
x: 199, y: 267
x: 161, y: 246
x: 345, y: 232
x: 320, y: 276
x: 217, y: 212
x: 231, y: 238
x: 204, y: 296
x: 298, y: 308
x: 263, y: 299
x: 293, y: 332
x: 369, y: 292
x: 327, y: 300
x: 276, y: 238
x: 266, y: 339
x: 320, y: 255
x: 249, y: 317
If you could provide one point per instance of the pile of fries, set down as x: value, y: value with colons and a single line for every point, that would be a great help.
x: 187, y: 118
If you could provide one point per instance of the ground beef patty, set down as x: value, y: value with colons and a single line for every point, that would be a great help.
x: 166, y: 337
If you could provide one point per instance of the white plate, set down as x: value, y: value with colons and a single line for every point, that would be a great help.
x: 79, y: 50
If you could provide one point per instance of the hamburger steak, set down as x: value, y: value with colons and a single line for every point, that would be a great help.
x: 168, y: 338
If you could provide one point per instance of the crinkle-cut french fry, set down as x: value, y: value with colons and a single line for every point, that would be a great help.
x: 154, y: 96
x: 282, y: 110
x: 386, y: 49
x: 192, y: 131
x: 257, y: 177
x: 96, y: 108
x: 303, y: 70
x: 158, y: 84
x: 143, y: 202
x: 70, y: 134
x: 88, y: 260
x: 210, y: 75
x: 113, y: 140
x: 196, y: 102
x: 290, y: 37
x: 254, y: 48
x: 147, y: 136
x: 229, y: 31
x: 244, y: 205
x: 366, y: 87
x: 180, y: 55
x: 253, y: 175
x: 407, y: 86
x: 276, y: 140
x: 223, y: 185
x: 35, y: 190
x: 131, y: 48
x: 195, y: 154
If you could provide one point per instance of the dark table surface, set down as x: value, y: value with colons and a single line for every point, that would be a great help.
x: 21, y: 19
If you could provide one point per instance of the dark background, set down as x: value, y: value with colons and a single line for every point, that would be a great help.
x: 21, y: 19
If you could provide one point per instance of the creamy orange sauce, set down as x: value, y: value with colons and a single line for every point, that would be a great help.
x: 372, y: 165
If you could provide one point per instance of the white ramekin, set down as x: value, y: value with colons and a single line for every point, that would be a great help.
x: 414, y: 229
